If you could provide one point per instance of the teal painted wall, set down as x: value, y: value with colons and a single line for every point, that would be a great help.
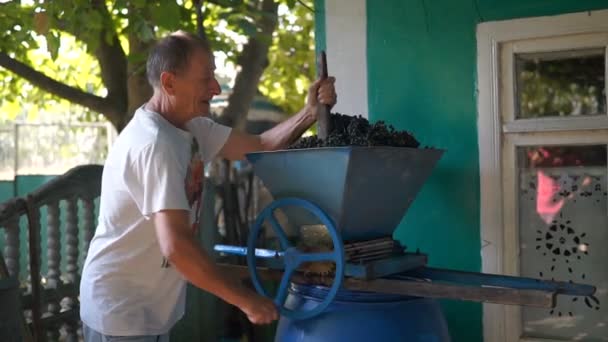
x: 422, y: 77
x: 23, y: 184
x: 320, y: 41
x: 490, y: 10
x: 29, y: 183
x: 6, y: 190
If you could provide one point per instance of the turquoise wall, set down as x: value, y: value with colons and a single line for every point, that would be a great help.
x: 6, y: 190
x: 320, y: 42
x: 422, y: 77
x: 23, y: 184
x: 490, y: 10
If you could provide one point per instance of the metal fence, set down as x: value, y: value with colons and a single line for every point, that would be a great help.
x: 51, y: 149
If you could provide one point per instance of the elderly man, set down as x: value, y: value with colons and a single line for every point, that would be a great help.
x: 144, y: 249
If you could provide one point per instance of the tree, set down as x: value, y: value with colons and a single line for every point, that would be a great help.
x: 556, y: 84
x: 97, y: 49
x: 117, y: 35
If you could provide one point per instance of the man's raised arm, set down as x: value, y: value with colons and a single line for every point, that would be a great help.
x: 286, y: 132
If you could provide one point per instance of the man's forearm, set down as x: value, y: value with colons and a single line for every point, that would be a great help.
x: 198, y: 268
x: 288, y: 131
x: 276, y: 138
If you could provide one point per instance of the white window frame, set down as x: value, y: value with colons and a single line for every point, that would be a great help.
x: 500, y: 134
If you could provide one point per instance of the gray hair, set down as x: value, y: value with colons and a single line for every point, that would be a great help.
x: 172, y: 53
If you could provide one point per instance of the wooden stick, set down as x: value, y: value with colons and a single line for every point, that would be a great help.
x: 323, y: 122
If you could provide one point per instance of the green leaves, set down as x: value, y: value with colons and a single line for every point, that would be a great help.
x: 137, y: 57
x: 228, y: 3
x: 291, y: 3
x: 52, y: 44
x: 74, y: 31
x: 247, y: 27
x: 292, y: 56
x: 166, y: 14
x: 16, y: 23
x: 144, y: 31
x: 95, y: 21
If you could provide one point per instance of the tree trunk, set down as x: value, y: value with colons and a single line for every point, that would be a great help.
x: 253, y: 61
x: 140, y: 90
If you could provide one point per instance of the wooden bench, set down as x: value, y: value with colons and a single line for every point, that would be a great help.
x: 52, y: 226
x: 50, y: 301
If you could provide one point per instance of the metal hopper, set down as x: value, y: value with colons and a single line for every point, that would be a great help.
x: 365, y: 190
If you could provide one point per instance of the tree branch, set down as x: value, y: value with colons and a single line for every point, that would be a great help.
x: 112, y: 59
x: 306, y: 6
x: 139, y: 88
x: 200, y: 18
x: 75, y: 95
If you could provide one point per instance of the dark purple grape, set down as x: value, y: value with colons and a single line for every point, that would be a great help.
x: 357, y: 131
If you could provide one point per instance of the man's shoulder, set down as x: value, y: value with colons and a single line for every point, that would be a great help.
x: 145, y: 137
x: 136, y: 137
x: 210, y: 135
x: 205, y: 129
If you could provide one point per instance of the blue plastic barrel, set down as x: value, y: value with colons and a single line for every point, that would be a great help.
x: 362, y: 316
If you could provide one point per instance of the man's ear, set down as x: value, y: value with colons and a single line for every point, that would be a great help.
x: 167, y: 82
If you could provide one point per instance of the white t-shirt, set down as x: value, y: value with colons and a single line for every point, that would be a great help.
x: 127, y: 288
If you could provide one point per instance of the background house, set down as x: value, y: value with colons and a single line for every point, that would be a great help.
x: 448, y: 71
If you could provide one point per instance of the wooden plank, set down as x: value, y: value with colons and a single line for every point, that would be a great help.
x: 497, y: 295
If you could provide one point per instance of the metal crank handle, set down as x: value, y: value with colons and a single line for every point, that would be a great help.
x: 259, y: 252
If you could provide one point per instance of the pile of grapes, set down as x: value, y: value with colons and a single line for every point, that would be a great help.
x: 357, y: 131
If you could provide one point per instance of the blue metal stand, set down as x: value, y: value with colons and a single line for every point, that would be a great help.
x: 404, y: 273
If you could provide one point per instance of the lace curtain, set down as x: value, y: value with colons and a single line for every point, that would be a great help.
x: 563, y: 229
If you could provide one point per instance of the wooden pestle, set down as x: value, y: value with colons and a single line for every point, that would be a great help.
x: 323, y: 122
